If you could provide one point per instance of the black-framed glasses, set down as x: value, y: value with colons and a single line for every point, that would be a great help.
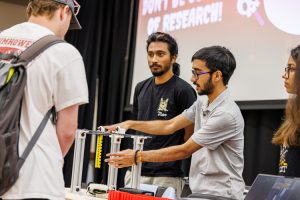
x: 288, y: 70
x: 197, y: 74
x: 76, y: 7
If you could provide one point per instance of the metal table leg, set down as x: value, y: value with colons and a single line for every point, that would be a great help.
x: 78, y: 160
x: 112, y: 171
x: 138, y: 143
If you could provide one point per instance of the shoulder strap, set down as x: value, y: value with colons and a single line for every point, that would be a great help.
x: 37, y: 48
x: 34, y: 139
x: 25, y: 57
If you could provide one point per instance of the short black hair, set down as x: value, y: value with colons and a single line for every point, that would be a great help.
x: 172, y: 46
x: 217, y: 58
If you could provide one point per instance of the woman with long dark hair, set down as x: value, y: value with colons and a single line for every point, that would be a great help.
x: 288, y: 135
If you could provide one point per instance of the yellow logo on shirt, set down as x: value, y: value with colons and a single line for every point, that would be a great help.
x: 163, y: 105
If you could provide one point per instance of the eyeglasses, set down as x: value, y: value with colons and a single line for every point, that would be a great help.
x: 288, y: 70
x: 197, y: 74
x: 76, y: 7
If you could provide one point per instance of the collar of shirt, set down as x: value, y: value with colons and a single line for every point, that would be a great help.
x: 208, y: 108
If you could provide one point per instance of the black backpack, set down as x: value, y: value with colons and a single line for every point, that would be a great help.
x: 12, y: 82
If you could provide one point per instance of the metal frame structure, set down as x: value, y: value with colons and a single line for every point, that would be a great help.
x: 116, y: 138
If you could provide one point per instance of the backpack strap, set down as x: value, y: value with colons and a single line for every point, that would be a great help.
x: 24, y: 58
x: 37, y: 48
x: 34, y: 139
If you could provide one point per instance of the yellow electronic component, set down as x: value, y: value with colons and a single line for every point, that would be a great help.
x: 98, y: 151
x: 10, y: 74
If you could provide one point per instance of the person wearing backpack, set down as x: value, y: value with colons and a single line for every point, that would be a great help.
x: 56, y: 78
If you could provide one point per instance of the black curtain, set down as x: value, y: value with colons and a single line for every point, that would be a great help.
x: 103, y: 43
x: 261, y: 156
x: 108, y: 28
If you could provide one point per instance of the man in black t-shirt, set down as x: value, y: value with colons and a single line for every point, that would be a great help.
x: 162, y: 96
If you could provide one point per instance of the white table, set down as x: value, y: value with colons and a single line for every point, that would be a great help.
x: 82, y: 195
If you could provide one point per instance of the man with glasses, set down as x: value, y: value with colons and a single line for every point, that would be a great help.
x: 56, y: 78
x: 217, y: 143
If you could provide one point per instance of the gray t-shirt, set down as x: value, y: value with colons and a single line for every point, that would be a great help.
x: 217, y: 167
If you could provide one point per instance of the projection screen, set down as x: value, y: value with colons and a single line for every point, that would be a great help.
x: 260, y: 33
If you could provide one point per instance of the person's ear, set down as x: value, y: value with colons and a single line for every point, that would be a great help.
x: 64, y: 12
x: 218, y: 76
x: 173, y: 59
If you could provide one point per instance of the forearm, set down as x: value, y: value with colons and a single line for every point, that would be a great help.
x: 66, y: 127
x: 156, y: 127
x: 65, y: 144
x: 164, y: 155
x: 173, y: 153
x: 129, y: 157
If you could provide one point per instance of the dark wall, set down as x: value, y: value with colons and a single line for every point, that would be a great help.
x: 260, y: 155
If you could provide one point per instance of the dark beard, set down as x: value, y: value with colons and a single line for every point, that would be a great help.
x: 159, y: 73
x: 208, y: 88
